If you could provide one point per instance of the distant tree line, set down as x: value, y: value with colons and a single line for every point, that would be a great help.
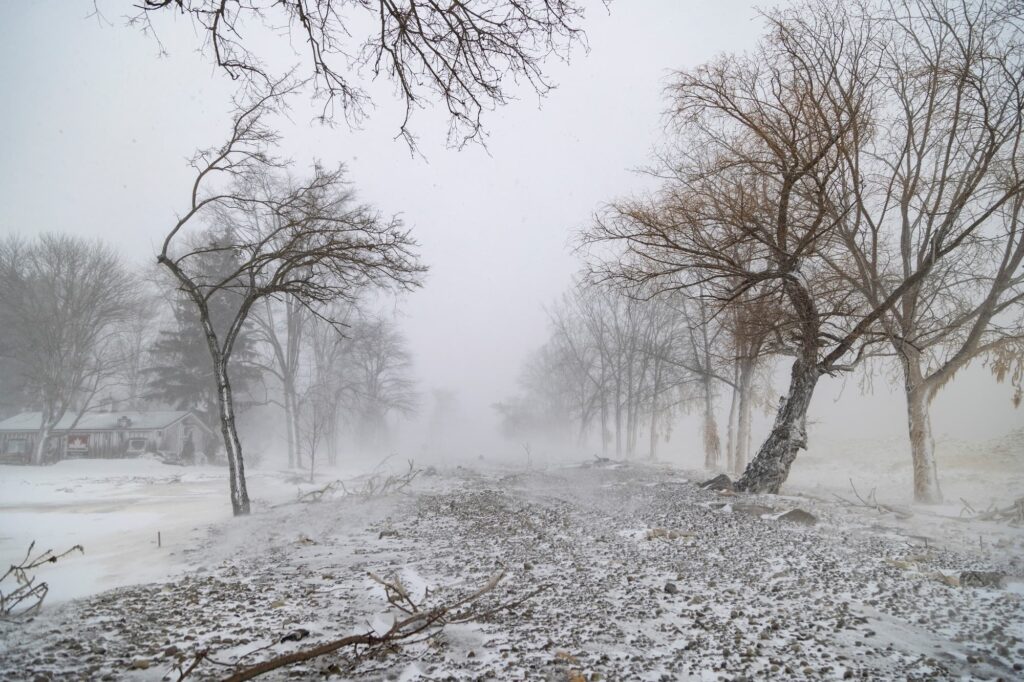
x: 623, y: 369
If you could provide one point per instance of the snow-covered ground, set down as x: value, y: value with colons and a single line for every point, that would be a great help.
x: 115, y: 509
x: 860, y: 594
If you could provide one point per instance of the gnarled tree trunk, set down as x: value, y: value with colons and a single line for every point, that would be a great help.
x: 770, y: 468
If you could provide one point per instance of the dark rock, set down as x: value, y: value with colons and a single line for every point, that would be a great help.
x: 718, y: 483
x: 296, y: 635
x: 799, y: 516
x: 671, y: 588
x: 982, y: 579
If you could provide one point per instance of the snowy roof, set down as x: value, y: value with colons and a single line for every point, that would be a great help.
x: 96, y: 421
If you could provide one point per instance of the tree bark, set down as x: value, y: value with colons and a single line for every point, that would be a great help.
x: 289, y: 427
x: 233, y: 447
x: 712, y: 444
x: 42, y: 438
x: 731, y: 442
x: 769, y: 469
x: 922, y: 445
x: 744, y: 385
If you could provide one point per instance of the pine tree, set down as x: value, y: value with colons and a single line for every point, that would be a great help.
x: 182, y: 372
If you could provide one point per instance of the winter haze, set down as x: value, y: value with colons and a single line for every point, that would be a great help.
x: 503, y: 471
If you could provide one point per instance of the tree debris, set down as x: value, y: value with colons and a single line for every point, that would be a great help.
x: 28, y: 595
x: 418, y: 620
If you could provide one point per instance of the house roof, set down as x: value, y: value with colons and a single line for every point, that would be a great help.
x: 97, y: 421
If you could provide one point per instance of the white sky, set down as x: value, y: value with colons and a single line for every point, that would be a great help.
x: 98, y: 127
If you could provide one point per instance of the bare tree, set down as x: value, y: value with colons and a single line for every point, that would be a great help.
x: 750, y: 325
x: 756, y: 201
x: 378, y: 367
x: 945, y: 164
x: 331, y: 383
x: 610, y: 362
x: 307, y: 240
x: 282, y: 326
x: 704, y: 336
x: 64, y: 301
x: 462, y: 54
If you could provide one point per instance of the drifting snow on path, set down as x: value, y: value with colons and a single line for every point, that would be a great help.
x: 645, y: 576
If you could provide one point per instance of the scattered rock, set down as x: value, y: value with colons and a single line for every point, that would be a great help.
x: 982, y: 579
x: 140, y: 664
x: 671, y: 588
x: 718, y: 483
x: 296, y: 635
x: 798, y: 516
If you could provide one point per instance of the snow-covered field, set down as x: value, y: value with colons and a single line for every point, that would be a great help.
x: 860, y: 594
x: 115, y: 508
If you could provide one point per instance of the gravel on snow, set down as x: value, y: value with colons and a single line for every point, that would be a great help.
x: 646, y: 577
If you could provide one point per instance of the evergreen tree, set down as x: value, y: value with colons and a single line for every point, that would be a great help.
x: 181, y: 374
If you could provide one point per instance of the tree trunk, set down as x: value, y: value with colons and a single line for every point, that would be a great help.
x: 742, y: 452
x: 922, y: 446
x: 653, y: 447
x: 294, y: 426
x: 233, y: 447
x: 618, y: 419
x: 770, y: 467
x: 731, y: 443
x: 605, y: 433
x: 312, y: 458
x: 42, y: 438
x: 712, y: 444
x: 288, y: 410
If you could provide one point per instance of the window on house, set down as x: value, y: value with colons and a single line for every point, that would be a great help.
x: 17, y: 446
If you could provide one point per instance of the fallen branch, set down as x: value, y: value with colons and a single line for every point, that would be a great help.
x: 316, y: 495
x: 871, y: 503
x: 377, y: 485
x: 1012, y: 514
x: 415, y: 623
x: 27, y: 589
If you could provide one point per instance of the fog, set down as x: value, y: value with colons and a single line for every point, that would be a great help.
x: 102, y: 118
x: 101, y: 123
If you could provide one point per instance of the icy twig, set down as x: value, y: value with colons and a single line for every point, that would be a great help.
x: 27, y: 589
x: 1012, y: 514
x: 396, y: 593
x: 872, y: 503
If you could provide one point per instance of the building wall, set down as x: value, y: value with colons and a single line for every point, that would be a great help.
x: 107, y: 444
